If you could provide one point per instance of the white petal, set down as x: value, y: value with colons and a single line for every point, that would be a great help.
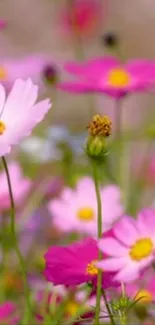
x: 2, y: 99
x: 22, y: 96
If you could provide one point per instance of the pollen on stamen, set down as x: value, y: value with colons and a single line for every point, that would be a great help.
x: 2, y: 127
x: 100, y: 125
x: 91, y: 268
x: 3, y: 74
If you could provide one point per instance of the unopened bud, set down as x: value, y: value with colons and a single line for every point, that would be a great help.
x: 99, y: 129
x: 50, y: 74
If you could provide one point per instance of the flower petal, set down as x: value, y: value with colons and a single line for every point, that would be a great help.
x: 22, y: 96
x: 128, y: 274
x: 112, y: 264
x: 2, y: 99
x: 112, y: 247
x: 125, y: 230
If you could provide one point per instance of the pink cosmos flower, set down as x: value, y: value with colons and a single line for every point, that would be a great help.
x: 76, y: 209
x: 74, y: 264
x: 3, y: 24
x: 132, y: 248
x: 31, y: 66
x: 20, y: 185
x: 86, y: 17
x: 19, y: 114
x: 107, y: 75
x: 142, y: 291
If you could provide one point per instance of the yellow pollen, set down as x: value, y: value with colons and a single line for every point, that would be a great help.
x: 2, y: 127
x: 3, y: 74
x: 144, y: 296
x: 141, y: 249
x: 118, y: 78
x: 72, y: 308
x: 100, y: 125
x: 86, y: 214
x: 91, y: 268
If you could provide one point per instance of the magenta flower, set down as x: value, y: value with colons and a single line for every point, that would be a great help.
x: 20, y: 185
x: 19, y: 114
x: 7, y: 313
x: 107, y: 75
x: 132, y: 248
x: 86, y: 17
x: 76, y: 209
x: 74, y: 264
x: 3, y: 24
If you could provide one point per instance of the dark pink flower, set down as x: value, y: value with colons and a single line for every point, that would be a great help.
x: 3, y: 24
x: 74, y: 264
x: 7, y: 313
x: 85, y: 16
x: 107, y: 75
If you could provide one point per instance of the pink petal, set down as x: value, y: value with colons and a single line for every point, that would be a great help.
x: 125, y: 230
x: 22, y: 96
x: 128, y: 274
x: 2, y: 99
x: 75, y: 68
x: 112, y: 247
x: 24, y: 127
x: 112, y: 264
x: 101, y: 66
x: 146, y: 222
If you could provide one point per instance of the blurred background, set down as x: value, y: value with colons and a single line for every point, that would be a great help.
x: 36, y: 26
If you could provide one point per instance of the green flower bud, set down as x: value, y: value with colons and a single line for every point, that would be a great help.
x: 99, y: 129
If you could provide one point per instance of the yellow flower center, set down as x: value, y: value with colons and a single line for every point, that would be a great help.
x: 86, y: 214
x: 141, y: 249
x: 91, y: 268
x: 144, y: 296
x: 2, y: 127
x: 118, y: 78
x: 72, y: 308
x: 3, y: 74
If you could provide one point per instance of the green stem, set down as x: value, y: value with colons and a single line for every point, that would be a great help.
x: 118, y: 119
x: 108, y: 308
x: 123, y: 154
x: 16, y: 247
x: 99, y: 231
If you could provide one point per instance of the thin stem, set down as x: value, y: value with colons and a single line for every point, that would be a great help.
x: 79, y: 51
x: 118, y: 119
x: 76, y: 37
x: 123, y: 153
x: 16, y: 247
x: 99, y: 231
x: 108, y: 308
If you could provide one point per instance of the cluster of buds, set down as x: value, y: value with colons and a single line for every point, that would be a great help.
x: 99, y: 129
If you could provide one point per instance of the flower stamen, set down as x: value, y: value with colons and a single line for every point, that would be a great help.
x: 85, y: 214
x: 118, y: 78
x: 100, y: 125
x: 2, y: 127
x: 141, y: 249
x: 91, y: 268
